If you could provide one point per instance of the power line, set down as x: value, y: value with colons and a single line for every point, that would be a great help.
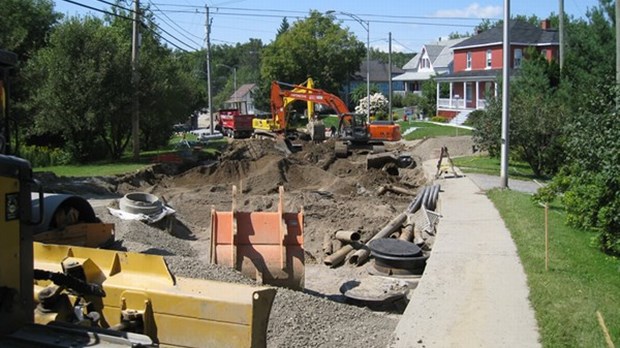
x: 300, y: 17
x: 254, y: 10
x: 99, y: 10
x: 176, y: 24
x: 116, y: 5
x: 131, y: 19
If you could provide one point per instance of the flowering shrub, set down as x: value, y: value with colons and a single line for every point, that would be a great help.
x: 378, y: 102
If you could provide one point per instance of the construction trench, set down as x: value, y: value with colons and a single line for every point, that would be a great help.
x: 344, y: 204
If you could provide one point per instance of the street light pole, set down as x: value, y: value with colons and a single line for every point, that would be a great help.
x: 366, y: 26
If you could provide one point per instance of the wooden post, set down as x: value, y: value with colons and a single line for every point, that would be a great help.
x: 546, y: 236
x: 601, y: 322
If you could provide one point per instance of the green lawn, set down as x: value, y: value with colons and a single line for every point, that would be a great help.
x: 491, y: 166
x: 581, y: 280
x: 430, y: 130
x: 127, y: 164
x: 423, y: 129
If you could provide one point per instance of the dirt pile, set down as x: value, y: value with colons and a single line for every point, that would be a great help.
x: 335, y: 194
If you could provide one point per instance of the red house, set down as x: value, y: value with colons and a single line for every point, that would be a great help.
x: 478, y: 65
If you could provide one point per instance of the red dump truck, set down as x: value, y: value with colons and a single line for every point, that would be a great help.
x: 234, y: 124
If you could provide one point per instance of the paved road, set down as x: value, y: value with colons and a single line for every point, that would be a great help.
x: 474, y: 291
x: 487, y: 182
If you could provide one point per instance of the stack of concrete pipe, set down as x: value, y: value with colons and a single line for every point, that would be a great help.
x: 427, y: 197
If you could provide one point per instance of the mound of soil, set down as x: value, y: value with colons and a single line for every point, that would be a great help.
x: 335, y: 193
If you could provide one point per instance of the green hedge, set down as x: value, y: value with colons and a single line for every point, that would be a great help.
x: 43, y: 156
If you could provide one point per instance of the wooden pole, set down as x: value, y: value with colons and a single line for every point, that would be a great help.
x: 546, y: 236
x: 601, y: 322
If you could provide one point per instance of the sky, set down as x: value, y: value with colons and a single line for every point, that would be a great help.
x: 411, y: 22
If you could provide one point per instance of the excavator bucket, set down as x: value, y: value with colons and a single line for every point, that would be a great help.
x: 265, y: 246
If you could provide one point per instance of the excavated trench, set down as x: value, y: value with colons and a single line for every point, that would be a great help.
x: 336, y: 194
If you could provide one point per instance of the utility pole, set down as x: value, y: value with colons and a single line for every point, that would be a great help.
x: 617, y: 42
x: 135, y: 80
x: 390, y: 77
x: 208, y: 43
x: 505, y: 97
x: 562, y: 34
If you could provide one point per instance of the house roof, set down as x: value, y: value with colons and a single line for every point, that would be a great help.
x: 439, y: 53
x: 241, y: 92
x: 414, y: 76
x: 472, y: 75
x: 378, y: 71
x: 520, y: 33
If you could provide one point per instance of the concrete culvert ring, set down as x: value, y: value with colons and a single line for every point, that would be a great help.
x: 140, y: 203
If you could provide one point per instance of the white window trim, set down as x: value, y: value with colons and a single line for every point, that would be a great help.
x: 468, y: 60
x: 514, y: 59
x: 488, y: 59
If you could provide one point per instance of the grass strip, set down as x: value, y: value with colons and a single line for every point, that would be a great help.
x: 581, y: 280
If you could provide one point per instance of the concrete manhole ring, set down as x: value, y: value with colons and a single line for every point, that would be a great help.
x: 140, y: 203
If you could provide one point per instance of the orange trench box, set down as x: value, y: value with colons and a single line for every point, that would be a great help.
x: 265, y: 246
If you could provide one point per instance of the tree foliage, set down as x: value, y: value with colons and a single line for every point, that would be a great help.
x: 24, y: 28
x: 81, y: 88
x: 537, y: 113
x: 315, y: 46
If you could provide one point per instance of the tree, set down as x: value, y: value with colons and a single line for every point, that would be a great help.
x: 284, y: 26
x: 24, y: 28
x: 537, y: 115
x: 81, y: 88
x: 70, y: 80
x: 359, y: 92
x: 315, y: 46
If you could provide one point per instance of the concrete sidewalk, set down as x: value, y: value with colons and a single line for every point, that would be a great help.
x: 473, y: 292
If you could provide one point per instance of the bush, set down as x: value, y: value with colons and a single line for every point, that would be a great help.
x: 397, y: 101
x: 441, y: 119
x: 43, y: 156
x: 474, y: 117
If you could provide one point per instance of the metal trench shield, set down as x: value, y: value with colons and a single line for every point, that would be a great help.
x: 265, y: 246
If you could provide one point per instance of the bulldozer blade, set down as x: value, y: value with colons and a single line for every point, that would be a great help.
x: 174, y: 311
x: 265, y: 246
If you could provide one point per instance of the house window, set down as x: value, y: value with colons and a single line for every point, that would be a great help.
x: 518, y: 57
x: 489, y: 59
x: 543, y: 52
x: 469, y: 60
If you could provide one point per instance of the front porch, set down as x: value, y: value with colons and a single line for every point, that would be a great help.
x: 464, y: 95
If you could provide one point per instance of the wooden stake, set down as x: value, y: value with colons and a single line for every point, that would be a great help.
x: 601, y: 322
x: 546, y: 236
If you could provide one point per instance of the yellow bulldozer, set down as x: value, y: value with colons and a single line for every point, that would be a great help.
x: 70, y: 296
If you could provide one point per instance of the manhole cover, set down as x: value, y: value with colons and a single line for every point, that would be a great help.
x: 395, y: 257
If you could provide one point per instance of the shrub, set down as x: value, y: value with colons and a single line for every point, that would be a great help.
x: 441, y: 119
x: 397, y: 101
x: 43, y: 156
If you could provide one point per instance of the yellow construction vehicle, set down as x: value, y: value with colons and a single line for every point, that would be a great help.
x: 276, y: 122
x: 69, y: 296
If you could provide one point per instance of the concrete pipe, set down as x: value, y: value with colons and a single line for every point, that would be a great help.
x: 348, y: 236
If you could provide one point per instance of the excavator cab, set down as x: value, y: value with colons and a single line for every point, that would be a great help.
x: 353, y: 128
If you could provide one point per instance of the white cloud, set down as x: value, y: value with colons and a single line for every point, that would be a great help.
x: 474, y: 10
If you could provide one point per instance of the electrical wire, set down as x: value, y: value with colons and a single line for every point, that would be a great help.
x: 116, y: 5
x: 131, y: 19
x: 176, y: 24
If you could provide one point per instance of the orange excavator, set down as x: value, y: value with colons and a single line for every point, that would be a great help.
x: 352, y: 130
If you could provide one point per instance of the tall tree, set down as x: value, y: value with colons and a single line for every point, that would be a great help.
x: 315, y: 46
x: 284, y: 26
x: 24, y: 29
